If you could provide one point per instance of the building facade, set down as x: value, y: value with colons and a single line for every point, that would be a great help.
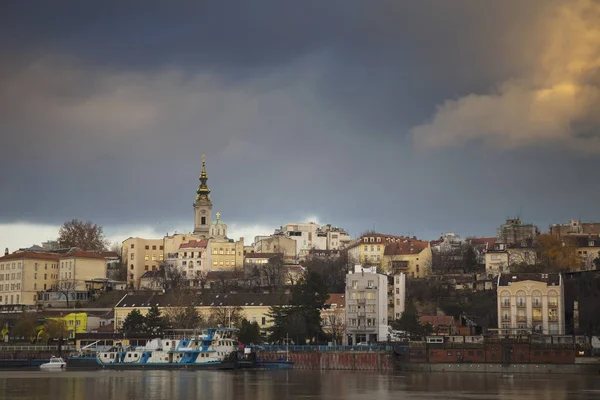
x: 370, y: 247
x: 575, y: 227
x: 309, y: 236
x: 24, y: 274
x: 409, y: 256
x: 515, y: 231
x: 530, y: 303
x: 77, y: 267
x: 399, y: 295
x: 366, y: 306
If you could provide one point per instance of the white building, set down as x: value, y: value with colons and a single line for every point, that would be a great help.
x: 311, y: 236
x: 399, y: 295
x: 366, y: 306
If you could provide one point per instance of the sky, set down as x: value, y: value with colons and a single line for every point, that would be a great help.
x: 406, y: 117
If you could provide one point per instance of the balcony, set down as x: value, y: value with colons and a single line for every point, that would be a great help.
x: 536, y: 304
x: 361, y: 301
x: 553, y: 303
x: 506, y: 318
x: 537, y: 318
x: 553, y: 318
x: 521, y: 318
x: 521, y: 304
x: 506, y: 304
x: 362, y: 314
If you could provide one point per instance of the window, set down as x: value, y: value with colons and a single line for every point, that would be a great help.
x: 147, y: 247
x: 132, y: 245
x: 145, y: 268
x: 161, y: 247
x: 203, y: 220
x: 263, y: 321
x: 354, y: 284
x: 131, y: 256
x: 154, y: 247
x: 131, y: 267
x: 520, y: 298
x: 397, y: 290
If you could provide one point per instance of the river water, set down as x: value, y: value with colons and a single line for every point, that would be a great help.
x: 281, y: 385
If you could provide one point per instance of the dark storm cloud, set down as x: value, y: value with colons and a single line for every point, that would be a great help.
x: 303, y: 108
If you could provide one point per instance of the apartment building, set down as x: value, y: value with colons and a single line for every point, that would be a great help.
x: 399, y: 295
x: 24, y: 274
x: 366, y: 306
x: 409, y: 256
x: 369, y: 248
x: 141, y: 255
x: 531, y: 302
x: 76, y: 267
x: 514, y: 231
x: 311, y: 235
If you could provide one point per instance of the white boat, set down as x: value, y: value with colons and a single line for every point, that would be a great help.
x: 55, y: 363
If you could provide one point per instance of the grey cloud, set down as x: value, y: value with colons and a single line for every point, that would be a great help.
x: 302, y: 108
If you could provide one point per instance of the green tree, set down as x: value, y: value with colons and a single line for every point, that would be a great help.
x: 470, y: 264
x: 26, y: 326
x: 409, y: 322
x: 134, y: 324
x: 249, y: 332
x: 155, y: 322
x: 301, y: 319
x: 84, y: 235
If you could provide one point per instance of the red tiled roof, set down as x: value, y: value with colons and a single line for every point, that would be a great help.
x: 81, y: 254
x: 490, y: 241
x: 405, y: 247
x: 337, y: 298
x: 110, y: 254
x: 194, y: 244
x: 436, y: 320
x: 30, y: 254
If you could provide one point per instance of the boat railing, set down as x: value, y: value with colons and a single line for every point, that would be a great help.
x: 35, y: 348
x: 282, y: 348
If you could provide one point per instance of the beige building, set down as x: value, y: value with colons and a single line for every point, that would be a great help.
x: 193, y: 259
x: 588, y: 251
x: 409, y: 256
x: 369, y: 248
x: 575, y: 227
x: 252, y: 306
x: 277, y: 244
x: 77, y: 267
x: 24, y: 274
x: 310, y: 235
x: 141, y: 255
x: 529, y: 302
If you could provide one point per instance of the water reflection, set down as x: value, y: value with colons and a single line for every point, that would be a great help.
x: 279, y: 385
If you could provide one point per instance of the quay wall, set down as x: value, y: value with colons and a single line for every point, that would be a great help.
x: 337, y: 360
x: 508, y: 369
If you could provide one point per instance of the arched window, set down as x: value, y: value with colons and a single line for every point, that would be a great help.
x: 505, y: 298
x: 536, y: 298
x: 521, y: 298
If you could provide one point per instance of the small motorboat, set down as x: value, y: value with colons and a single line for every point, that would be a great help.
x: 55, y: 363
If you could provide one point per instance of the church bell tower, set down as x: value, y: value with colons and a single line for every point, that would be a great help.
x: 202, y: 205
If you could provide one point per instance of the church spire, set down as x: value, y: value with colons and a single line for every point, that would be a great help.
x: 202, y: 194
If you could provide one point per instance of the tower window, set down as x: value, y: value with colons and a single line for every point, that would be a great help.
x: 203, y: 219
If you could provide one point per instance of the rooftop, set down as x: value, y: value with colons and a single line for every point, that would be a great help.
x: 194, y: 244
x: 550, y: 279
x: 405, y: 247
x: 143, y: 300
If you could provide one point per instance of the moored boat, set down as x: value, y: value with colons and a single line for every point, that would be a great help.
x: 55, y: 363
x: 213, y: 348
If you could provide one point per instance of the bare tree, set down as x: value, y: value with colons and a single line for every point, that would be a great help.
x: 274, y: 272
x: 226, y: 316
x: 181, y: 312
x: 84, y: 235
x: 66, y: 287
x: 169, y: 277
x: 334, y: 323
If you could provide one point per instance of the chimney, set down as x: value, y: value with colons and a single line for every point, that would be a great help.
x: 6, y: 251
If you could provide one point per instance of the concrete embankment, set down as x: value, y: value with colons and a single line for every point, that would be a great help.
x: 337, y: 360
x: 579, y: 369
